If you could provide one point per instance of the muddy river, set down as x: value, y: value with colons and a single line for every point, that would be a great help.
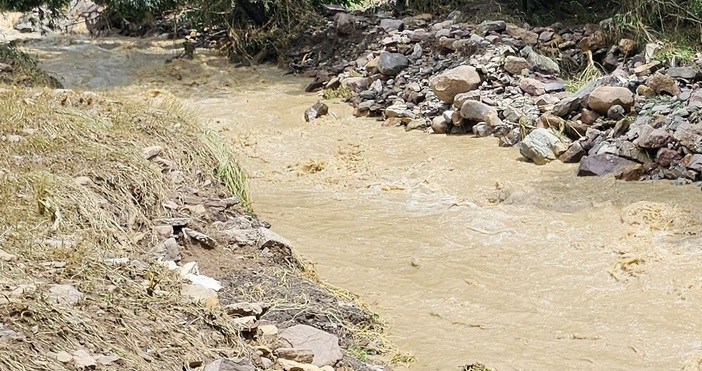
x: 469, y: 253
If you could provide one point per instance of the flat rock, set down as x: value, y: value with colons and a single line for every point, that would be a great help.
x: 324, y: 345
x: 604, y: 164
x: 289, y: 365
x: 689, y: 73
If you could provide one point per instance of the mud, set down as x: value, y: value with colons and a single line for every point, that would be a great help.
x: 471, y: 254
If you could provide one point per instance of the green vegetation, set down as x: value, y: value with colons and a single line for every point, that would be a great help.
x: 24, y: 69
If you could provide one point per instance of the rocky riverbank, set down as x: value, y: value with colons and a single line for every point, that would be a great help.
x: 638, y: 121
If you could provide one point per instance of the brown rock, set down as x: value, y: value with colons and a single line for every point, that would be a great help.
x: 647, y: 68
x: 297, y: 355
x: 690, y: 136
x: 645, y: 91
x: 604, y: 97
x: 527, y: 36
x: 549, y: 120
x: 588, y: 117
x: 532, y: 87
x: 594, y: 42
x: 454, y: 81
x: 515, y: 65
x: 573, y: 154
x: 665, y: 156
x: 653, y: 138
x: 344, y: 23
x: 627, y: 46
x: 661, y: 83
x: 480, y: 112
x: 693, y: 162
x: 357, y: 84
x: 439, y: 125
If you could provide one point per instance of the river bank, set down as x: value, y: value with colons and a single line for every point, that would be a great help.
x: 470, y: 255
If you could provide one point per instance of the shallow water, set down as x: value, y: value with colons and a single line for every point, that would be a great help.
x: 471, y: 254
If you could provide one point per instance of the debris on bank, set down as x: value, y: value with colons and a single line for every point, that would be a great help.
x: 639, y: 120
x: 127, y: 242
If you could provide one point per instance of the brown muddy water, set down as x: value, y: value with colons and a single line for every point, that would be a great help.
x: 469, y: 253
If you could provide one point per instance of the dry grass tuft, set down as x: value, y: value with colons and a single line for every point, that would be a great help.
x: 77, y: 191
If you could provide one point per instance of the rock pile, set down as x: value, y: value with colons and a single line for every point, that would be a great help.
x: 496, y: 78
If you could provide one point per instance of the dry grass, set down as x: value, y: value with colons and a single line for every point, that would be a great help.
x: 134, y: 310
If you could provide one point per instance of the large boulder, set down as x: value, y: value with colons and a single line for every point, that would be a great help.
x: 454, y: 81
x: 541, y: 146
x: 390, y: 64
x: 475, y: 111
x: 604, y: 97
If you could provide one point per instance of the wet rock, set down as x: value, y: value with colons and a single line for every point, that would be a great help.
x: 688, y: 73
x: 390, y: 64
x: 325, y: 346
x: 231, y: 364
x: 540, y: 63
x: 541, y: 146
x: 319, y: 109
x: 515, y: 65
x: 652, y: 138
x: 663, y: 84
x: 574, y: 153
x: 480, y: 112
x: 297, y: 355
x: 454, y: 81
x: 604, y: 164
x: 604, y: 97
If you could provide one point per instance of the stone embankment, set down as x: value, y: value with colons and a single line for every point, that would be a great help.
x: 638, y: 121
